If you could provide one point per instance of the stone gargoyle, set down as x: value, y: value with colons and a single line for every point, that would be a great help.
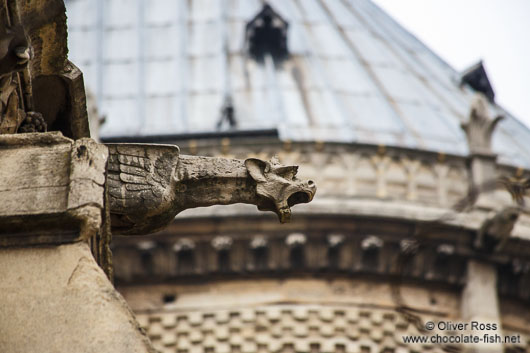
x: 149, y: 184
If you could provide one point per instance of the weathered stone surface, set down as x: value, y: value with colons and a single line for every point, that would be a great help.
x: 52, y: 188
x: 150, y: 184
x: 56, y: 299
x: 39, y: 88
x: 340, y: 314
x: 495, y: 231
x: 481, y: 304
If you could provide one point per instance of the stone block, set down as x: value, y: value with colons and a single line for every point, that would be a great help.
x: 51, y: 187
x: 57, y: 299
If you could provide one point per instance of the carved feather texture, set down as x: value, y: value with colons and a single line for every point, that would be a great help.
x: 139, y: 176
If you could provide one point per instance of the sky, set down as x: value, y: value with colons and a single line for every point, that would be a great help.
x: 462, y: 32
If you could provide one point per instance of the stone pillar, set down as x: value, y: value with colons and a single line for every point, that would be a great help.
x: 53, y: 295
x: 483, y: 171
x: 480, y: 305
x: 483, y: 167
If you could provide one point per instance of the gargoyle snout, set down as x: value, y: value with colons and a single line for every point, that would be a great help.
x: 302, y: 192
x: 312, y: 188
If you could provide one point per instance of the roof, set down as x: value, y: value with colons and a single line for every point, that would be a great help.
x: 353, y: 75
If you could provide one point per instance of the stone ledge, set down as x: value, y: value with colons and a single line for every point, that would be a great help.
x: 52, y: 188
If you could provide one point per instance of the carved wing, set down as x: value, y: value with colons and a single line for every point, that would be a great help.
x: 139, y: 177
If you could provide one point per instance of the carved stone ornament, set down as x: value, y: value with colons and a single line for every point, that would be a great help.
x: 495, y: 231
x: 479, y: 128
x: 149, y: 184
x: 16, y: 100
x: 40, y: 90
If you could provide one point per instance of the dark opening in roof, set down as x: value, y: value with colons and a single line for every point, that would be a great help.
x: 477, y: 78
x: 266, y: 34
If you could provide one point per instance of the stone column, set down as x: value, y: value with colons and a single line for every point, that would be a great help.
x: 480, y: 305
x: 479, y: 298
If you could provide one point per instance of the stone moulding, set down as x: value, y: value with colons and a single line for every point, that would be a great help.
x: 51, y: 187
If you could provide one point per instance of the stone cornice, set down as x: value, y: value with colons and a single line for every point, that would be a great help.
x: 197, y: 249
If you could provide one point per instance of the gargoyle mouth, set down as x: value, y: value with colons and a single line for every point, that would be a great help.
x: 284, y: 213
x: 299, y: 197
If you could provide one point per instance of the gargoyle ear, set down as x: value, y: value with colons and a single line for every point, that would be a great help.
x: 257, y: 168
x: 288, y: 172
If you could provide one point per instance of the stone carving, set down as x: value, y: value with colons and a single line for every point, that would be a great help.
x: 480, y: 126
x: 277, y: 187
x: 16, y: 99
x: 149, y: 185
x: 517, y: 186
x: 13, y: 116
x: 495, y: 231
x: 40, y: 90
x: 10, y: 114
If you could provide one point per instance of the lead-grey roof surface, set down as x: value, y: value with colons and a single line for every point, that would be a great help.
x: 164, y: 67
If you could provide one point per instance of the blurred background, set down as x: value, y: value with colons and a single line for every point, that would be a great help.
x: 465, y: 32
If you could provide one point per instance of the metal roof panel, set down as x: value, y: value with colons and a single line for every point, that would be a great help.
x: 353, y: 74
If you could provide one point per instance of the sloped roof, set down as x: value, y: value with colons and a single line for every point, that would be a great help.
x: 164, y: 67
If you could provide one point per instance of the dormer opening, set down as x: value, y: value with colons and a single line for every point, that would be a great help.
x: 477, y: 78
x: 266, y: 34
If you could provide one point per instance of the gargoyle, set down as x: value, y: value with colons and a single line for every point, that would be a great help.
x: 479, y: 128
x: 149, y: 184
x: 495, y: 231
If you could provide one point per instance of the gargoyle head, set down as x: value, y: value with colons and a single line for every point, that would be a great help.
x: 278, y: 188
